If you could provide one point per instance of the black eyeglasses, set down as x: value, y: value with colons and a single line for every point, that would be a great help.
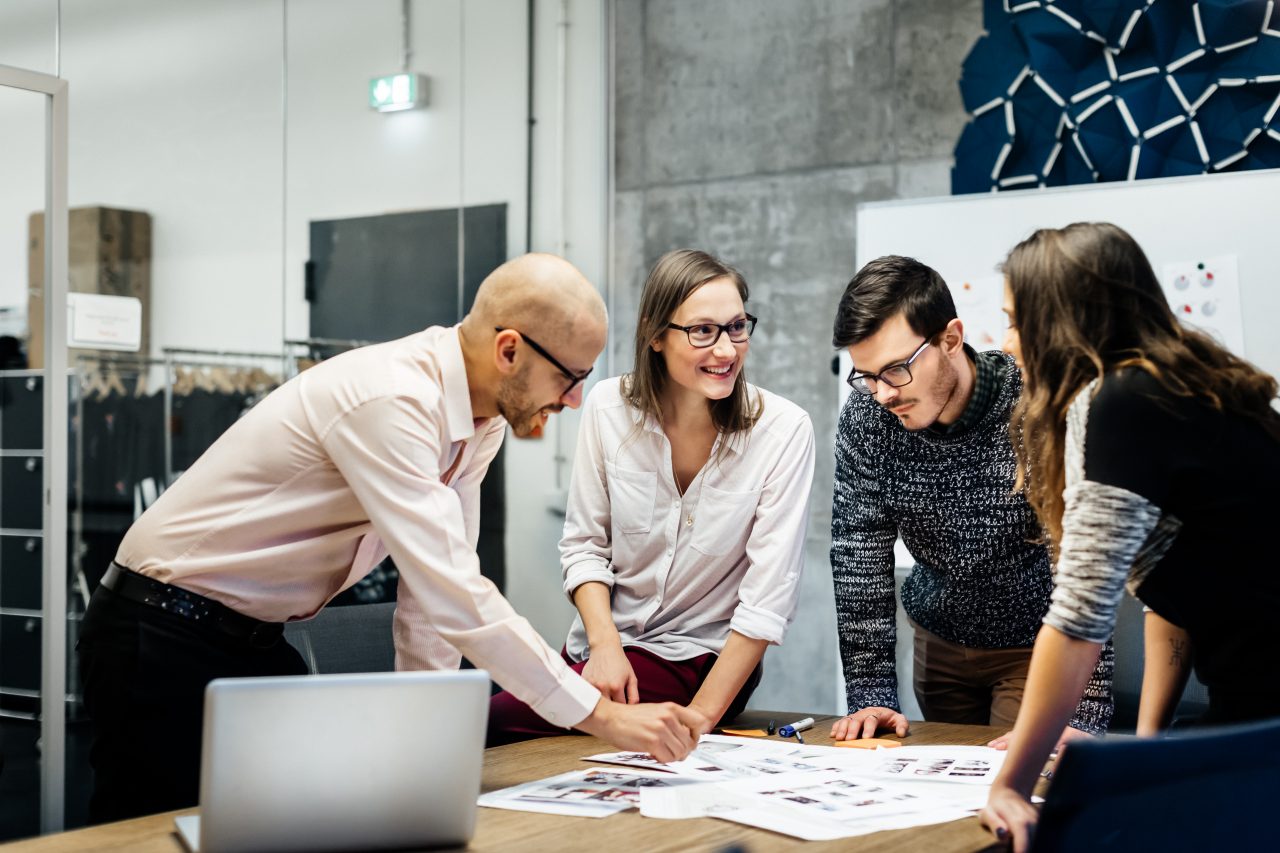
x: 574, y: 378
x: 895, y: 375
x: 702, y: 335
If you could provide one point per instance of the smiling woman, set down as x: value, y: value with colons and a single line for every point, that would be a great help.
x: 683, y: 540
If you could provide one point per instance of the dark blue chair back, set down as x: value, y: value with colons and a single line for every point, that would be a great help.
x: 1210, y: 789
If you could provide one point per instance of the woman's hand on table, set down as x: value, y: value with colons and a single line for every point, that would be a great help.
x: 705, y: 721
x: 1010, y: 816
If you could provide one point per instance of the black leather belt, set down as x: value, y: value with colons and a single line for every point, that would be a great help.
x: 188, y: 605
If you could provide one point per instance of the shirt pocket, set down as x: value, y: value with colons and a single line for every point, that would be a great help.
x: 722, y: 519
x: 632, y: 496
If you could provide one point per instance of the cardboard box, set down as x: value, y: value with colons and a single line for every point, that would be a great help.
x: 110, y: 253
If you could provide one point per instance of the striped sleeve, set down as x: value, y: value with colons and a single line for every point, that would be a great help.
x: 1107, y: 532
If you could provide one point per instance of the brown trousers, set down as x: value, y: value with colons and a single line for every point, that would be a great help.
x: 959, y: 684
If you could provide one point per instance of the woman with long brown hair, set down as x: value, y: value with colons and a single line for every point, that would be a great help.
x: 1150, y: 454
x: 684, y: 534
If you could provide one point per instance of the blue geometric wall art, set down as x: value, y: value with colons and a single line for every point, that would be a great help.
x: 1083, y: 91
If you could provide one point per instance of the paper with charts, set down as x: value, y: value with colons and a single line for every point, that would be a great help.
x: 582, y: 793
x: 810, y: 792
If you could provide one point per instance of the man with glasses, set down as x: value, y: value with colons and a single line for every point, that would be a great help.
x: 923, y: 453
x: 379, y: 450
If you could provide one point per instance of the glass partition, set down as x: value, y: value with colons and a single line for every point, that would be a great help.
x: 223, y: 159
x: 22, y: 454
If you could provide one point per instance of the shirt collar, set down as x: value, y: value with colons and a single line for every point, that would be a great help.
x: 988, y: 373
x: 457, y: 393
x: 734, y: 444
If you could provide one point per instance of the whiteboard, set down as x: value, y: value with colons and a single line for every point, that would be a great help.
x: 1212, y: 218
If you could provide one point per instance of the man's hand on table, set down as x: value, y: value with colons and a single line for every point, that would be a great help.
x: 865, y: 722
x: 666, y: 731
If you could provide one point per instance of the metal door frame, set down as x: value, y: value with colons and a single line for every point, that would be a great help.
x: 53, y: 669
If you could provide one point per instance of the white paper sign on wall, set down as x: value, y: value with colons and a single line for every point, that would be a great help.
x: 96, y: 321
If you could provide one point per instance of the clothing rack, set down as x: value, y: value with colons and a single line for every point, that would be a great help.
x: 351, y: 343
x: 172, y: 359
x: 222, y: 353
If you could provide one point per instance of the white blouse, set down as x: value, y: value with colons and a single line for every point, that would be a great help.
x: 685, y: 570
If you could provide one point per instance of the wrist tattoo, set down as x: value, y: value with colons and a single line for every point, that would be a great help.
x: 1179, y: 648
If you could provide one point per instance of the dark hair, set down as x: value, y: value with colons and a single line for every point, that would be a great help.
x: 674, y: 277
x: 1085, y: 303
x: 888, y: 286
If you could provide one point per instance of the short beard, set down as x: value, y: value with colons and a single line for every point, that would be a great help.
x: 944, y: 386
x: 513, y: 403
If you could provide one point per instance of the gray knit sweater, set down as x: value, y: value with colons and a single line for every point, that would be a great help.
x: 979, y: 579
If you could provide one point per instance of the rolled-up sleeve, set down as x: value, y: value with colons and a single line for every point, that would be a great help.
x: 388, y: 451
x: 585, y: 547
x: 1103, y: 530
x: 770, y: 588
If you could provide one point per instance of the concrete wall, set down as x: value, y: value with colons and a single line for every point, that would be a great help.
x: 752, y: 129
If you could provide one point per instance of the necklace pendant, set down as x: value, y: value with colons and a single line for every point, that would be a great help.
x: 688, y: 522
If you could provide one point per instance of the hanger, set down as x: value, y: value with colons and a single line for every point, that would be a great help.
x: 184, y: 381
x: 221, y: 380
x: 91, y: 383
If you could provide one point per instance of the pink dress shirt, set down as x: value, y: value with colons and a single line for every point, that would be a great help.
x: 370, y: 452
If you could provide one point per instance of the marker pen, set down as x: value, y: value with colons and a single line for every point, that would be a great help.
x: 795, y: 728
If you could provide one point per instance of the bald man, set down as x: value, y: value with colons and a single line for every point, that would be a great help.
x: 379, y: 450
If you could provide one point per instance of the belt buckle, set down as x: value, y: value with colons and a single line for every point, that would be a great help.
x: 179, y: 606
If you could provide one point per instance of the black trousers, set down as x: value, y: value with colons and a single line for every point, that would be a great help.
x: 143, y: 673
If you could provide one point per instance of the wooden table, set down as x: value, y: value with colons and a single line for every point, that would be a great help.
x: 502, y: 830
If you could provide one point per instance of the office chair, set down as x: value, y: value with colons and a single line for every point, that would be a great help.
x: 356, y: 638
x: 1211, y: 789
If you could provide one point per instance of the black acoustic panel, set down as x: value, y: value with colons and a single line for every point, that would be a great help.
x: 20, y: 568
x: 1116, y: 90
x: 378, y: 278
x: 21, y: 486
x: 20, y: 652
x: 21, y: 412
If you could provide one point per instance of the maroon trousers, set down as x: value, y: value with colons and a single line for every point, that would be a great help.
x: 659, y: 680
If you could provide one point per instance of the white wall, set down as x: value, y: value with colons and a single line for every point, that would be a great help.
x: 188, y: 109
x: 535, y: 480
x: 27, y: 30
x: 22, y: 147
x: 175, y: 110
x: 467, y: 147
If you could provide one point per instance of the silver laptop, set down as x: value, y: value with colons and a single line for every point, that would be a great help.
x: 340, y: 762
